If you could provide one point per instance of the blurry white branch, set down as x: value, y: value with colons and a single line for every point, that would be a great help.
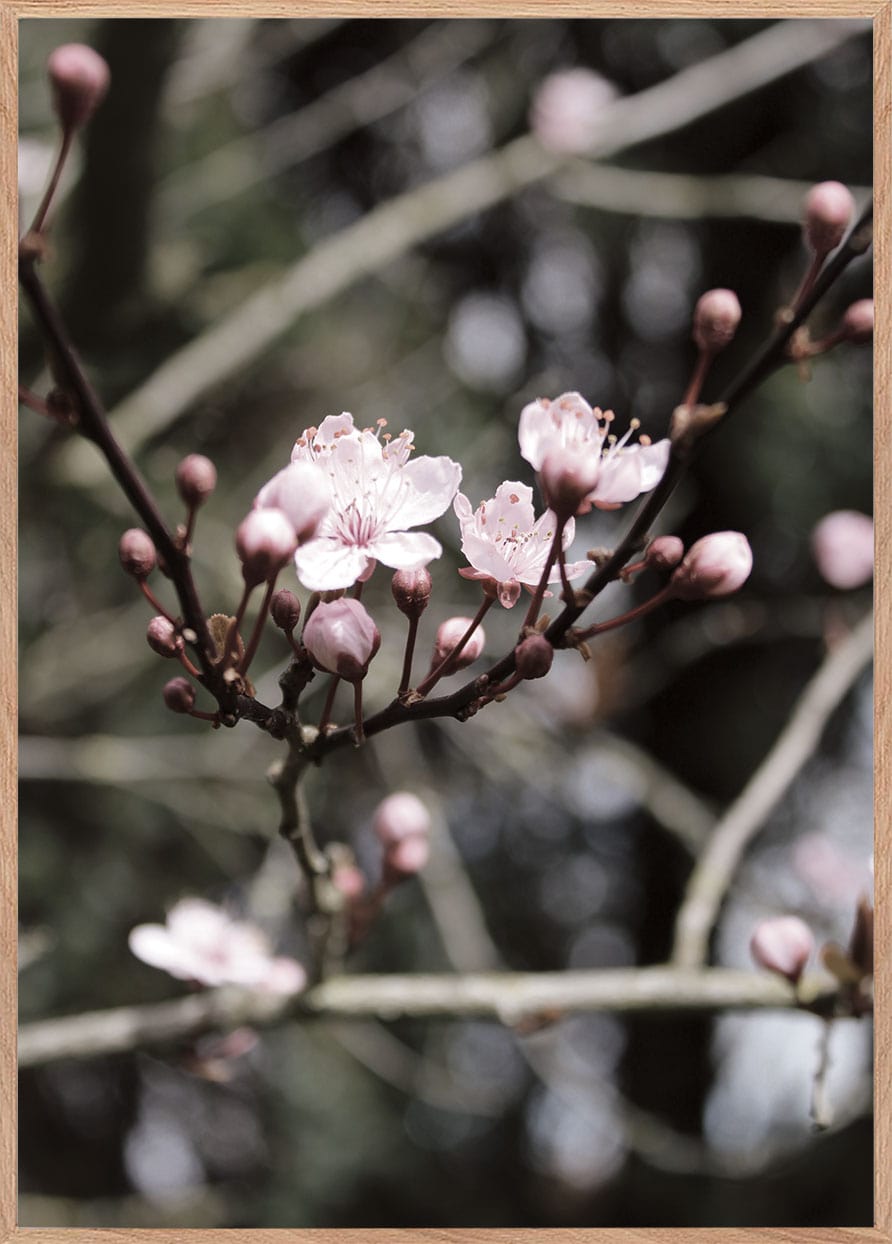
x: 395, y: 227
x: 715, y: 869
x: 508, y: 997
x: 368, y: 97
x: 679, y: 196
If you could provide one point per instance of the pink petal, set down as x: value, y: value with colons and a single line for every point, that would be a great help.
x: 153, y: 944
x: 429, y: 486
x: 405, y: 550
x: 654, y: 460
x: 325, y: 564
x: 284, y: 976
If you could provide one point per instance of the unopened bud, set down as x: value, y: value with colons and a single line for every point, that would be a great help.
x: 449, y: 634
x: 842, y: 544
x: 783, y: 945
x: 664, y: 553
x: 716, y: 317
x: 284, y: 610
x: 179, y: 695
x: 137, y: 553
x: 401, y: 815
x: 829, y: 207
x: 412, y: 591
x: 857, y: 323
x: 196, y: 479
x: 566, y: 478
x: 341, y: 637
x: 80, y: 79
x: 302, y: 493
x: 162, y: 637
x: 533, y: 657
x: 717, y: 565
x: 264, y: 542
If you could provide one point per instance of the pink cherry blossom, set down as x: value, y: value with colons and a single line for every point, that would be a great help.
x: 842, y: 543
x: 568, y: 422
x: 378, y: 494
x: 200, y: 942
x: 507, y: 545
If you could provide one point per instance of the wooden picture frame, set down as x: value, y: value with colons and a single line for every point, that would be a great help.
x: 11, y: 11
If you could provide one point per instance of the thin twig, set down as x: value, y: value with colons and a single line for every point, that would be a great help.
x: 718, y: 863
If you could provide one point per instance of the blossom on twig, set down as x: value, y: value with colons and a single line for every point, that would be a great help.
x: 200, y: 942
x: 568, y: 422
x: 378, y: 494
x: 506, y: 545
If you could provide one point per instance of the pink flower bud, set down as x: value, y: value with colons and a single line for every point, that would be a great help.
x: 264, y: 542
x: 717, y: 565
x: 137, y: 553
x: 829, y: 207
x: 80, y: 78
x: 302, y: 493
x: 196, y: 479
x: 163, y: 638
x: 285, y: 610
x: 448, y: 635
x: 842, y: 544
x: 533, y: 656
x: 716, y: 317
x: 179, y: 695
x: 857, y: 323
x: 407, y: 857
x: 401, y: 815
x: 566, y: 478
x: 412, y: 591
x: 341, y: 637
x: 783, y: 945
x: 664, y: 552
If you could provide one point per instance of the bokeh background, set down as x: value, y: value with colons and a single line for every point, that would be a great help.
x: 566, y: 818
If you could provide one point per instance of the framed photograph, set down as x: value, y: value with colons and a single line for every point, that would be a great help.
x: 441, y: 505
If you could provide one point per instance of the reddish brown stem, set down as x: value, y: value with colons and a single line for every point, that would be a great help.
x: 631, y: 616
x: 154, y: 601
x: 553, y: 552
x: 259, y: 624
x: 64, y: 147
x: 406, y: 677
x: 329, y: 703
x: 438, y: 671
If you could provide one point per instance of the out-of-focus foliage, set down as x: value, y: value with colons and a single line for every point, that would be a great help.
x: 551, y: 854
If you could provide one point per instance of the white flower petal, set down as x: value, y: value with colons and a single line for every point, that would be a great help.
x: 429, y: 486
x: 405, y: 550
x: 153, y: 944
x: 325, y: 564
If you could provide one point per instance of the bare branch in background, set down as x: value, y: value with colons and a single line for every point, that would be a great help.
x: 715, y: 869
x: 508, y: 997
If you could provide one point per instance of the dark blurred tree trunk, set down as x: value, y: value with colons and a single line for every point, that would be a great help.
x: 107, y: 291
